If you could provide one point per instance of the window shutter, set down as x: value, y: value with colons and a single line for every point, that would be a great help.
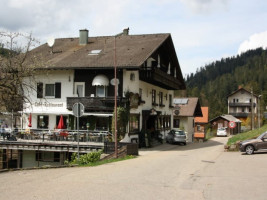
x: 58, y: 90
x: 40, y: 89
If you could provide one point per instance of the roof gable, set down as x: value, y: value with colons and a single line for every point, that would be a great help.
x: 190, y: 109
x: 240, y: 90
x: 205, y: 117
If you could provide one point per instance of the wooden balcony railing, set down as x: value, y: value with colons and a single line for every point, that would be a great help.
x: 95, y: 103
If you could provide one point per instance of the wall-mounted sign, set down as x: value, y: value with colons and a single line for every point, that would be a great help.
x: 46, y: 104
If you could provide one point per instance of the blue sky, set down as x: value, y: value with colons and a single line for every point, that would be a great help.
x: 203, y: 31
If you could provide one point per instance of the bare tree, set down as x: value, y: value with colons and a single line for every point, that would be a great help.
x: 16, y: 64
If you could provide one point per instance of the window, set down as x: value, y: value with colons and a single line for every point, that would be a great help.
x: 100, y: 91
x: 53, y: 90
x: 170, y: 100
x: 49, y: 90
x: 47, y: 156
x: 140, y: 93
x: 40, y: 90
x: 160, y: 98
x: 176, y: 123
x: 79, y: 89
x: 153, y: 97
x: 134, y: 123
x: 42, y: 121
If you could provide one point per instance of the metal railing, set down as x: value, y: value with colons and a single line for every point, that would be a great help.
x: 60, y: 135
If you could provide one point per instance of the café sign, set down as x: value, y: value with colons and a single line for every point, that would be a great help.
x: 46, y: 104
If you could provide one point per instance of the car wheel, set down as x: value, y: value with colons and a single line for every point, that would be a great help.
x: 184, y: 143
x: 249, y: 149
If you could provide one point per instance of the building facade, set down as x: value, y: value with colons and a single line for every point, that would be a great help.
x: 242, y: 104
x: 82, y: 70
x: 185, y: 111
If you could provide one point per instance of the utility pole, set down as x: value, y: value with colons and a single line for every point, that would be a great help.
x: 252, y: 110
x: 115, y: 99
x: 259, y: 111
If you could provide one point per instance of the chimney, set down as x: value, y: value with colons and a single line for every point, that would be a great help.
x: 126, y: 31
x: 83, y: 40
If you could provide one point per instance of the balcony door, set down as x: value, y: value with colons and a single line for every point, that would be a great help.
x: 79, y: 89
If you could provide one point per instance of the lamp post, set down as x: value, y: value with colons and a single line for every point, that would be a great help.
x: 115, y: 99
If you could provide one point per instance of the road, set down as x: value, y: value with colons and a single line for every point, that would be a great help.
x: 196, y: 171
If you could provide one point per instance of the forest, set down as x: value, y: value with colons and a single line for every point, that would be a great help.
x: 215, y: 81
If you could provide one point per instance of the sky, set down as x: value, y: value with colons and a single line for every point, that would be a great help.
x: 202, y: 31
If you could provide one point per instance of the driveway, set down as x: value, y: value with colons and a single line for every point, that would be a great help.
x: 195, y: 171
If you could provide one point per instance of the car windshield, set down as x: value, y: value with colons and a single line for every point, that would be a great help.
x: 221, y: 129
x: 261, y: 136
x: 179, y: 133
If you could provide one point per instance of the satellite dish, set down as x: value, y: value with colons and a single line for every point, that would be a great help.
x: 51, y: 42
x: 112, y: 82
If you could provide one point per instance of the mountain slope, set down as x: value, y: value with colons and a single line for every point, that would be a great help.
x: 214, y: 82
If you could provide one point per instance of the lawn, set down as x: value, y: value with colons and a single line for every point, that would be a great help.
x: 247, y: 135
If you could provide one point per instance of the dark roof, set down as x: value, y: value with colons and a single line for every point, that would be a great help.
x: 227, y: 118
x: 190, y: 109
x: 131, y: 51
x: 240, y: 90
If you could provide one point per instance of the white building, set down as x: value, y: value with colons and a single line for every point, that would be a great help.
x: 82, y: 70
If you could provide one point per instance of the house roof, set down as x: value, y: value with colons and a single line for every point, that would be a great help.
x: 189, y: 107
x: 131, y: 51
x: 205, y: 118
x: 227, y: 118
x: 241, y: 89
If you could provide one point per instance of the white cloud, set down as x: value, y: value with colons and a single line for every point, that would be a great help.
x: 254, y: 41
x: 205, y: 6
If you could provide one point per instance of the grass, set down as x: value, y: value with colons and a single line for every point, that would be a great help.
x: 102, y: 162
x: 247, y: 135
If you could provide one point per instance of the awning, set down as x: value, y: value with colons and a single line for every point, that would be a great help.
x: 100, y: 80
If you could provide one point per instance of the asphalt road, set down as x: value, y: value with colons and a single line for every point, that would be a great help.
x: 196, y: 171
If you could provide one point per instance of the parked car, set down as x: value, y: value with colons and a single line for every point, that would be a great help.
x: 249, y: 146
x: 176, y: 136
x: 221, y: 131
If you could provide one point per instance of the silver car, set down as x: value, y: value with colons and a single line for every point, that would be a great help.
x: 176, y: 136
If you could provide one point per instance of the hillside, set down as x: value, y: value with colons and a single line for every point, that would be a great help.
x: 214, y: 82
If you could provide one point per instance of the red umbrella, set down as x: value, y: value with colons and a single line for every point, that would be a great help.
x: 61, y: 123
x: 30, y: 120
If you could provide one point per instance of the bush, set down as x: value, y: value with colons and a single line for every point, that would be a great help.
x: 90, y: 157
x: 84, y: 159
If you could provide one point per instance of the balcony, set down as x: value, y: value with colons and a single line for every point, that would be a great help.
x: 96, y: 104
x: 237, y: 104
x: 162, y: 79
x: 242, y: 114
